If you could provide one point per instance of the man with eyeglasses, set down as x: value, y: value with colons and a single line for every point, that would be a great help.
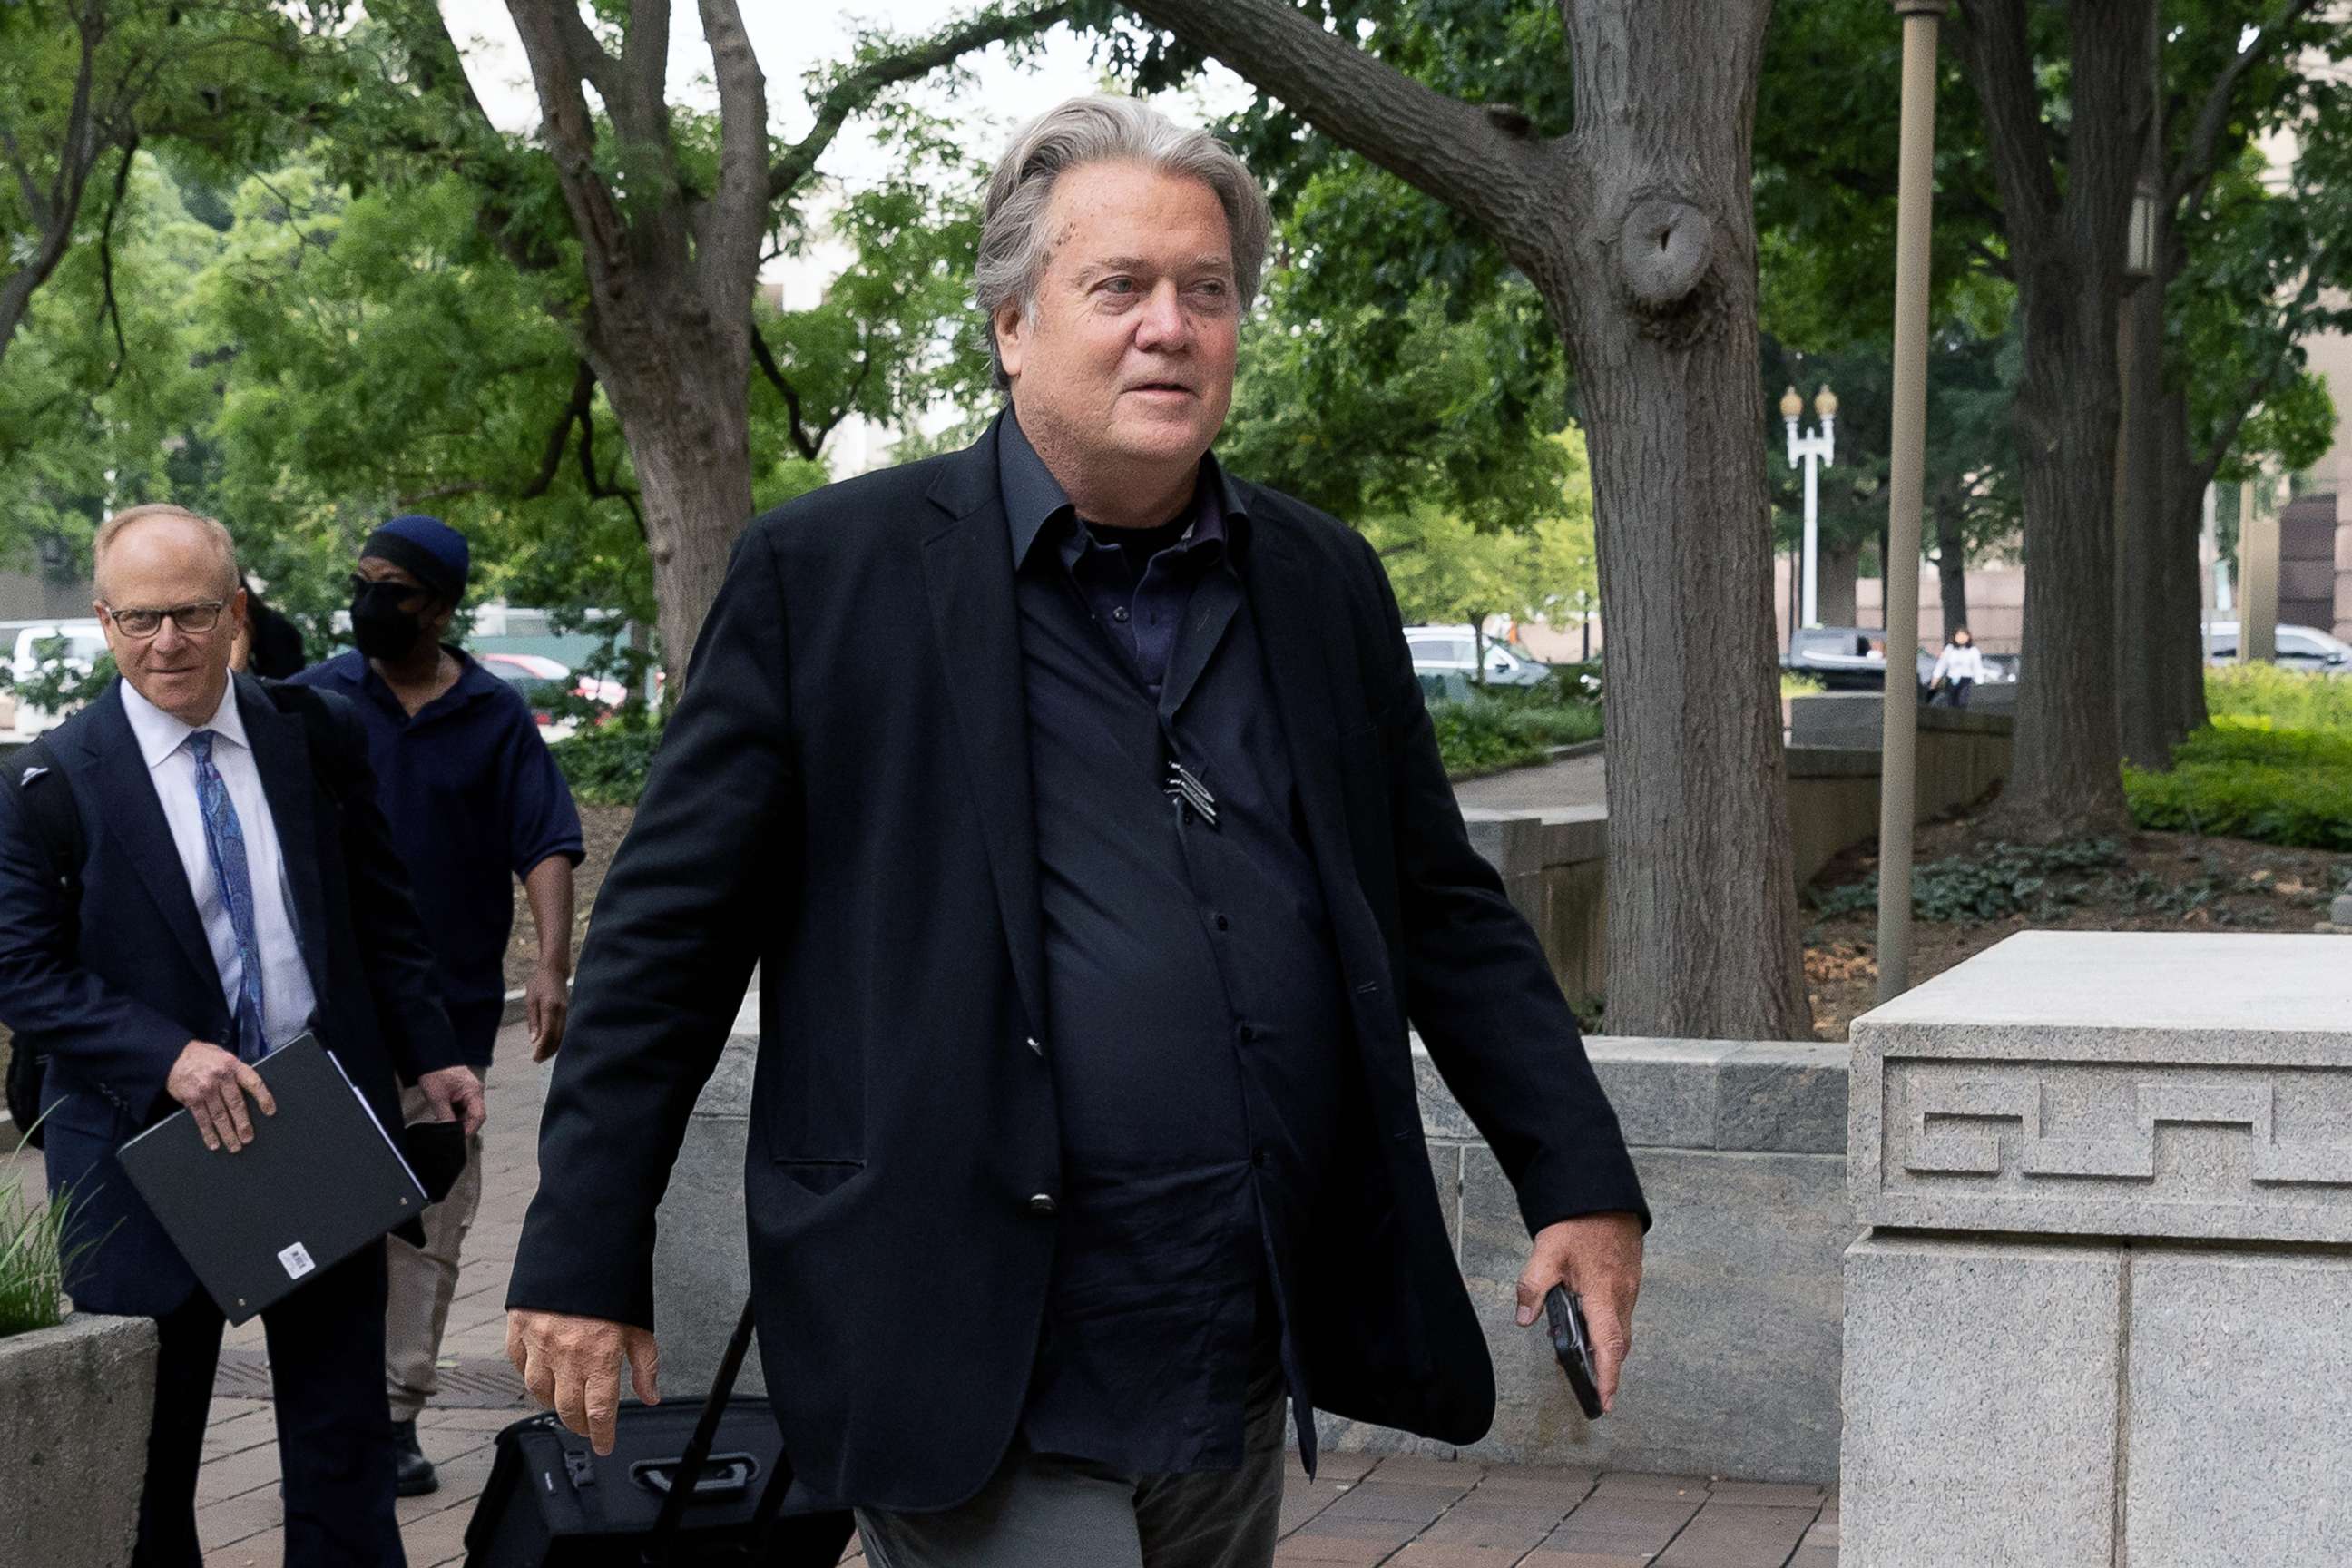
x: 475, y: 804
x: 230, y: 885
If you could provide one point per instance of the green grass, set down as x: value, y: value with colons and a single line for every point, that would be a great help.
x: 2248, y: 778
x: 32, y: 1267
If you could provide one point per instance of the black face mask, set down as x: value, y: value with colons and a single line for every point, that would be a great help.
x: 381, y: 627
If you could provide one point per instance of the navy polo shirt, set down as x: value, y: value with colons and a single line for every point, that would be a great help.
x: 1197, y: 1026
x: 475, y: 802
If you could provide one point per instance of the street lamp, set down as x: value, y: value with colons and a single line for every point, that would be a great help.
x: 1809, y: 453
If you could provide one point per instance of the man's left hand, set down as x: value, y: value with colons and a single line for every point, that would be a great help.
x: 456, y: 1095
x: 547, y: 1002
x: 1598, y: 1257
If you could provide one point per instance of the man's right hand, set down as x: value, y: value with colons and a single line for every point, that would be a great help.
x: 213, y: 1084
x: 573, y: 1365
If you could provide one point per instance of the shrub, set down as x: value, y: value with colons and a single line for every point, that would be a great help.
x: 2008, y: 879
x: 2241, y: 778
x: 1507, y: 727
x: 606, y: 764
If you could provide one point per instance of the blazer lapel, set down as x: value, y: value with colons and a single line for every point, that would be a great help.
x: 131, y: 808
x: 967, y: 572
x: 281, y: 754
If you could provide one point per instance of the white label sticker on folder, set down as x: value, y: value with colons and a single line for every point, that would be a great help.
x: 297, y: 1260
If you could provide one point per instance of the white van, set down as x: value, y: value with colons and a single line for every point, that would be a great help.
x: 76, y: 645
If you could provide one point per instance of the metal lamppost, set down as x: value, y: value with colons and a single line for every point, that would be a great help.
x: 1915, y: 198
x: 1812, y: 453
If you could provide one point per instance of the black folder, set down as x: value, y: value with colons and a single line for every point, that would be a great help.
x: 321, y: 1180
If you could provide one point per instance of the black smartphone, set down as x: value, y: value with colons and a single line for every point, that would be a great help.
x: 1572, y: 1342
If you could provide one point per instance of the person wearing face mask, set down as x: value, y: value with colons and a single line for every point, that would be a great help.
x: 475, y: 802
x: 1958, y: 668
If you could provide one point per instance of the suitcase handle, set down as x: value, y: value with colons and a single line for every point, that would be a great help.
x: 725, y: 1476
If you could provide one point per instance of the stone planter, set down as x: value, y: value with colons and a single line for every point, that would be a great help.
x: 73, y: 1445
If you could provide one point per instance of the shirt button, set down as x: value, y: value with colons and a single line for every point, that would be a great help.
x: 1248, y: 1034
x: 1260, y: 1158
x: 1035, y: 1044
x: 1222, y: 923
x: 1042, y: 1203
x: 1118, y: 614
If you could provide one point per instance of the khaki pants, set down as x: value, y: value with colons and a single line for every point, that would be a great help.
x: 423, y: 1281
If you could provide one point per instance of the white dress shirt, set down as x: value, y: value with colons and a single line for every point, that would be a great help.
x: 1958, y: 662
x: 287, y: 1001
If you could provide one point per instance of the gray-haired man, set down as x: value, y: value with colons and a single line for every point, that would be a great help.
x: 1085, y: 1126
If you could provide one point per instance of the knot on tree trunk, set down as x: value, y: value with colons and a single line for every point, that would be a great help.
x: 1664, y: 253
x: 1510, y: 120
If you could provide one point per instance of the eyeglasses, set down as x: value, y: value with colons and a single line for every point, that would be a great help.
x: 194, y: 619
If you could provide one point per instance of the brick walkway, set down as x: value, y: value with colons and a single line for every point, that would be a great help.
x: 1361, y: 1510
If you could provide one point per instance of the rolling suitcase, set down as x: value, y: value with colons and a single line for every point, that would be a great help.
x: 681, y: 1489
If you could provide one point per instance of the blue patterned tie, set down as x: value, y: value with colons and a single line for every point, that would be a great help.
x: 224, y: 843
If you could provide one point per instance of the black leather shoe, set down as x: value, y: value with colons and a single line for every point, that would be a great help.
x: 413, y: 1471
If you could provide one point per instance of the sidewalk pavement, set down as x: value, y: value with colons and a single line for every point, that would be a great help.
x: 1361, y: 1509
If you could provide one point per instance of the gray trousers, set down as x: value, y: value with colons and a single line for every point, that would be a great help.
x: 1042, y: 1510
x: 423, y: 1282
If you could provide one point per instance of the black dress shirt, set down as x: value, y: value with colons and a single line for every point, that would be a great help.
x: 1198, y: 1025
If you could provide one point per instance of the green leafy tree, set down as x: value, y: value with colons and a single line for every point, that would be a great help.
x: 645, y: 228
x: 1601, y: 149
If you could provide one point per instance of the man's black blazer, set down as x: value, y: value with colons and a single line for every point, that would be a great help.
x: 859, y: 823
x: 114, y: 1006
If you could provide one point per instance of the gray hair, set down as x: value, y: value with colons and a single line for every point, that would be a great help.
x: 114, y: 527
x: 1102, y: 128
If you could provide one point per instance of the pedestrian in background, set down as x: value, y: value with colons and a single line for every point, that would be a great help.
x: 475, y: 802
x: 235, y: 887
x: 1959, y: 666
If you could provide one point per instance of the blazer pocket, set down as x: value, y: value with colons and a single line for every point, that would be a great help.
x: 820, y: 1176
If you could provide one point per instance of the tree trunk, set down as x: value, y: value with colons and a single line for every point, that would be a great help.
x: 1638, y: 230
x: 2066, y: 242
x: 1951, y: 563
x: 2179, y: 653
x: 2144, y: 540
x: 678, y: 394
x: 1837, y: 599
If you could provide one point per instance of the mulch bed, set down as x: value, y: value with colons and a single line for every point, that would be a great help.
x: 2164, y: 881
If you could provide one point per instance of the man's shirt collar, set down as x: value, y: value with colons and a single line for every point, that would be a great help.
x: 160, y: 734
x: 1034, y: 497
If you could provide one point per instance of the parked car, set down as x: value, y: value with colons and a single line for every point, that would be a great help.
x: 544, y: 682
x: 77, y: 646
x: 1845, y: 659
x: 1853, y: 658
x: 1452, y: 650
x: 2298, y: 647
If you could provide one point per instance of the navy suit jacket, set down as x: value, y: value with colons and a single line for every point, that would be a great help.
x: 863, y: 829
x: 115, y: 1001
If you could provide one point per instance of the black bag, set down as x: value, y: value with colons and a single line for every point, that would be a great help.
x: 551, y: 1502
x: 49, y: 808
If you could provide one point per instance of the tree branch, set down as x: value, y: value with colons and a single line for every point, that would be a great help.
x: 732, y: 225
x: 106, y: 260
x: 577, y: 409
x: 2202, y: 156
x: 1448, y: 148
x: 862, y: 86
x: 2000, y: 59
x: 807, y: 446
